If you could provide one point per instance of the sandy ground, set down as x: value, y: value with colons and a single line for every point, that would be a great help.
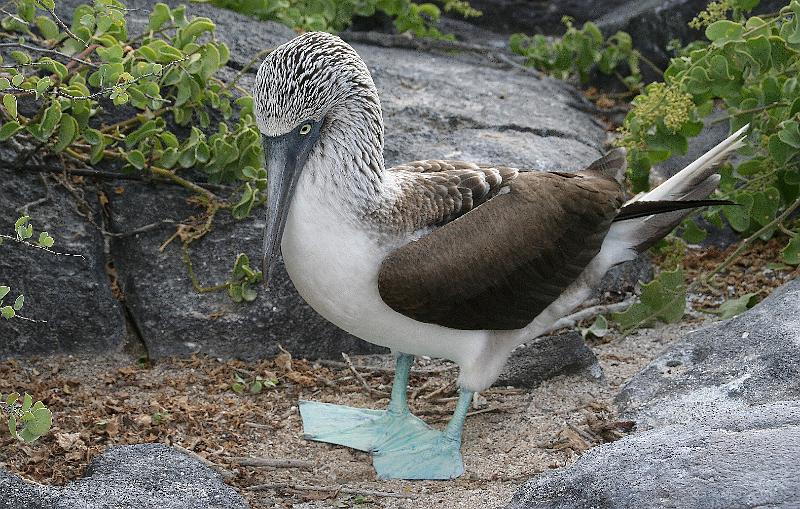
x: 190, y: 402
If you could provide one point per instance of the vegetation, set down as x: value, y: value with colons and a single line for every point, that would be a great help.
x: 171, y: 113
x: 581, y: 52
x: 748, y: 70
x: 26, y: 420
x: 336, y: 15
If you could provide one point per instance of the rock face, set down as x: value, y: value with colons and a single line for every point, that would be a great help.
x: 753, y: 465
x: 721, y: 414
x: 546, y: 357
x: 751, y: 359
x: 434, y: 106
x: 72, y: 294
x: 142, y: 476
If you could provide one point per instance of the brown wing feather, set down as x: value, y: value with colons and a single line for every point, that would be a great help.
x: 502, y: 263
x: 436, y: 192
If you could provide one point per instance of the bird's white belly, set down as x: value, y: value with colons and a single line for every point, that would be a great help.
x: 334, y: 265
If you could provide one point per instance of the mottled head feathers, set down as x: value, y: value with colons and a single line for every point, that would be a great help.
x: 309, y: 78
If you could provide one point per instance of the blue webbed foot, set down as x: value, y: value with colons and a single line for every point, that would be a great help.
x: 403, y: 446
x: 362, y: 429
x: 435, y: 455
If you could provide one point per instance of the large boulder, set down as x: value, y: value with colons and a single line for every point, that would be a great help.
x: 749, y: 360
x: 435, y: 105
x: 141, y: 476
x: 753, y: 464
x: 718, y: 416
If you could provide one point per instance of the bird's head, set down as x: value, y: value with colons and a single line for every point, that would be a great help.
x: 314, y: 101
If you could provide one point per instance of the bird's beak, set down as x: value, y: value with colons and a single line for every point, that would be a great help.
x: 285, y: 157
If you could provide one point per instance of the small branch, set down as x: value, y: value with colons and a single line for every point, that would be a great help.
x: 529, y: 70
x: 141, y: 229
x: 47, y: 51
x: 273, y: 462
x: 332, y: 489
x: 583, y: 314
x: 30, y: 244
x: 108, y: 175
x: 361, y: 379
x: 61, y: 23
x: 29, y: 319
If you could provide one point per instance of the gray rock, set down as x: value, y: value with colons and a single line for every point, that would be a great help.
x: 680, y: 467
x: 751, y: 359
x: 72, y: 294
x: 718, y: 416
x: 145, y: 476
x: 547, y: 357
x: 623, y: 278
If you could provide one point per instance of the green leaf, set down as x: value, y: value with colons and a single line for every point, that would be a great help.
x: 662, y: 299
x: 733, y: 307
x: 723, y: 31
x: 781, y: 151
x: 791, y: 253
x: 4, y: 291
x: 160, y: 15
x: 45, y: 240
x: 4, y: 83
x: 242, y: 209
x: 10, y: 104
x: 765, y: 205
x: 47, y: 27
x: 692, y: 233
x: 598, y: 329
x: 19, y: 302
x: 136, y: 159
x: 9, y: 129
x: 27, y: 402
x: 7, y: 312
x: 67, y: 132
x: 739, y: 216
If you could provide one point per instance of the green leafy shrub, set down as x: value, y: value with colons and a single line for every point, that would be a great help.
x: 336, y: 15
x: 579, y: 52
x: 149, y: 103
x: 748, y: 68
x: 26, y: 420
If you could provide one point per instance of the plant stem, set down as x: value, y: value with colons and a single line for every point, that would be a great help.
x: 749, y: 240
x: 187, y: 260
x: 750, y: 110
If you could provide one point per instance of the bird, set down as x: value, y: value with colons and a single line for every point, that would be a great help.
x: 440, y: 258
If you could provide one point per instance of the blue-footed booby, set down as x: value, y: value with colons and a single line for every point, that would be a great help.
x: 440, y: 258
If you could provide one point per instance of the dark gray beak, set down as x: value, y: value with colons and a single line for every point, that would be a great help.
x: 285, y: 157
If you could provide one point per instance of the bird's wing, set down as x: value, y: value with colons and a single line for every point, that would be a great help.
x: 442, y: 190
x: 499, y: 265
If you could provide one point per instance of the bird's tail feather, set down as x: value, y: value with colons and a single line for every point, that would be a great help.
x: 636, y: 230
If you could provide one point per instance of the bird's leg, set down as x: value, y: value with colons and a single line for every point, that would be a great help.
x: 365, y: 429
x: 456, y: 424
x: 399, y: 402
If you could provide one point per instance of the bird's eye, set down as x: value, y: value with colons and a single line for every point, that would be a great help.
x: 305, y: 129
